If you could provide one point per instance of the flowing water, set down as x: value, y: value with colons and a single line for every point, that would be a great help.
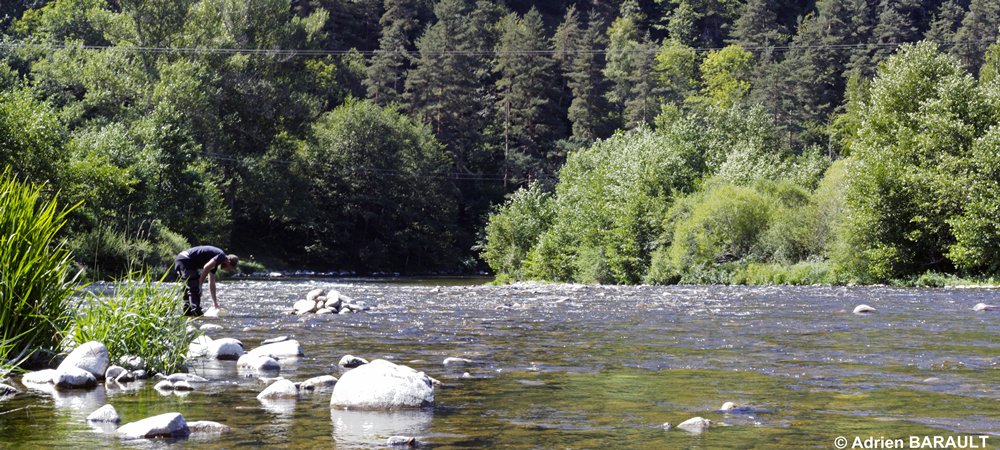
x: 565, y: 366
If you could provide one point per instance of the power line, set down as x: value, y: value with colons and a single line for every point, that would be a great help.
x: 457, y: 176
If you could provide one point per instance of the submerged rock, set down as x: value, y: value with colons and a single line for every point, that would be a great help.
x: 106, y: 413
x: 259, y: 363
x: 452, y: 361
x: 211, y: 327
x: 213, y: 312
x: 91, y: 356
x: 383, y: 385
x: 985, y: 307
x: 169, y: 425
x: 863, y: 309
x: 188, y: 377
x: 666, y: 426
x: 401, y: 441
x: 728, y: 406
x: 351, y: 361
x: 279, y: 389
x: 283, y: 349
x: 318, y: 383
x: 206, y: 426
x: 46, y: 376
x: 695, y: 425
x: 274, y: 340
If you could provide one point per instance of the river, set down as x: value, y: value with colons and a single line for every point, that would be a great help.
x: 569, y: 366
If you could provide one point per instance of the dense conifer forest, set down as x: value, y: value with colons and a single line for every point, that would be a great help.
x: 622, y: 141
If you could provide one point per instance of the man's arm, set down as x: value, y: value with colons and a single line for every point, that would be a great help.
x: 206, y: 272
x: 211, y: 289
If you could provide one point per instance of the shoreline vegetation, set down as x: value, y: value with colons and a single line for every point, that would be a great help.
x: 701, y: 142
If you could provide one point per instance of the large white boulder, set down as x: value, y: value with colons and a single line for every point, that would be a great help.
x: 225, y: 348
x: 284, y: 349
x: 383, y: 385
x: 170, y: 425
x: 91, y: 356
x: 985, y: 307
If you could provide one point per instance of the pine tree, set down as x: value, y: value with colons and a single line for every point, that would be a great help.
x: 630, y: 69
x: 443, y: 88
x: 945, y: 23
x: 384, y: 79
x: 525, y: 90
x: 978, y: 31
x: 898, y: 23
x: 758, y: 27
x: 816, y: 66
x: 587, y: 111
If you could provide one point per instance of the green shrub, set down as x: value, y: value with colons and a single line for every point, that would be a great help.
x: 36, y: 281
x: 140, y: 317
x: 514, y: 228
x: 801, y: 273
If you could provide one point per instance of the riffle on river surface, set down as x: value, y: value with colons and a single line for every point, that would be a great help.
x: 566, y: 366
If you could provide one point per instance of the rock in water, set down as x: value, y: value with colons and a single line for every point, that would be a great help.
x: 91, y: 356
x: 695, y: 425
x: 279, y: 389
x: 320, y: 382
x: 205, y: 426
x: 105, y: 413
x: 46, y: 376
x: 114, y: 372
x: 284, y: 349
x: 863, y: 309
x: 259, y: 363
x: 984, y: 307
x: 452, y: 361
x: 351, y: 361
x: 169, y: 425
x: 401, y: 441
x: 210, y: 327
x: 213, y: 312
x: 311, y: 296
x: 728, y: 406
x: 383, y: 385
x: 73, y: 377
x: 304, y: 306
x: 225, y: 349
x: 6, y: 390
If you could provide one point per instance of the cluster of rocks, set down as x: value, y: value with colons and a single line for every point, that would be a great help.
x: 327, y: 301
x: 168, y: 425
x: 698, y: 425
x: 85, y: 366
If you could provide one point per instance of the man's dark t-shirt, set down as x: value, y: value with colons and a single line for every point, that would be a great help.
x: 196, y: 257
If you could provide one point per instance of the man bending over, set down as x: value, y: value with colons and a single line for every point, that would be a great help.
x: 196, y: 264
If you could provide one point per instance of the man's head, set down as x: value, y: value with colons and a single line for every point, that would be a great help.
x: 231, y: 262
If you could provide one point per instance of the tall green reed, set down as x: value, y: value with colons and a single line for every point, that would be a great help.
x: 139, y: 316
x: 36, y: 276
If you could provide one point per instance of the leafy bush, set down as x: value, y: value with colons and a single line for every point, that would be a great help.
x: 514, y: 229
x: 106, y: 252
x: 910, y: 176
x: 139, y: 317
x: 36, y: 282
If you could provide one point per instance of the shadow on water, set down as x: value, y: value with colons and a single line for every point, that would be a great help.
x: 583, y: 367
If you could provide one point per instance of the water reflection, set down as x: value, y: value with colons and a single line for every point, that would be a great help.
x: 371, y: 428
